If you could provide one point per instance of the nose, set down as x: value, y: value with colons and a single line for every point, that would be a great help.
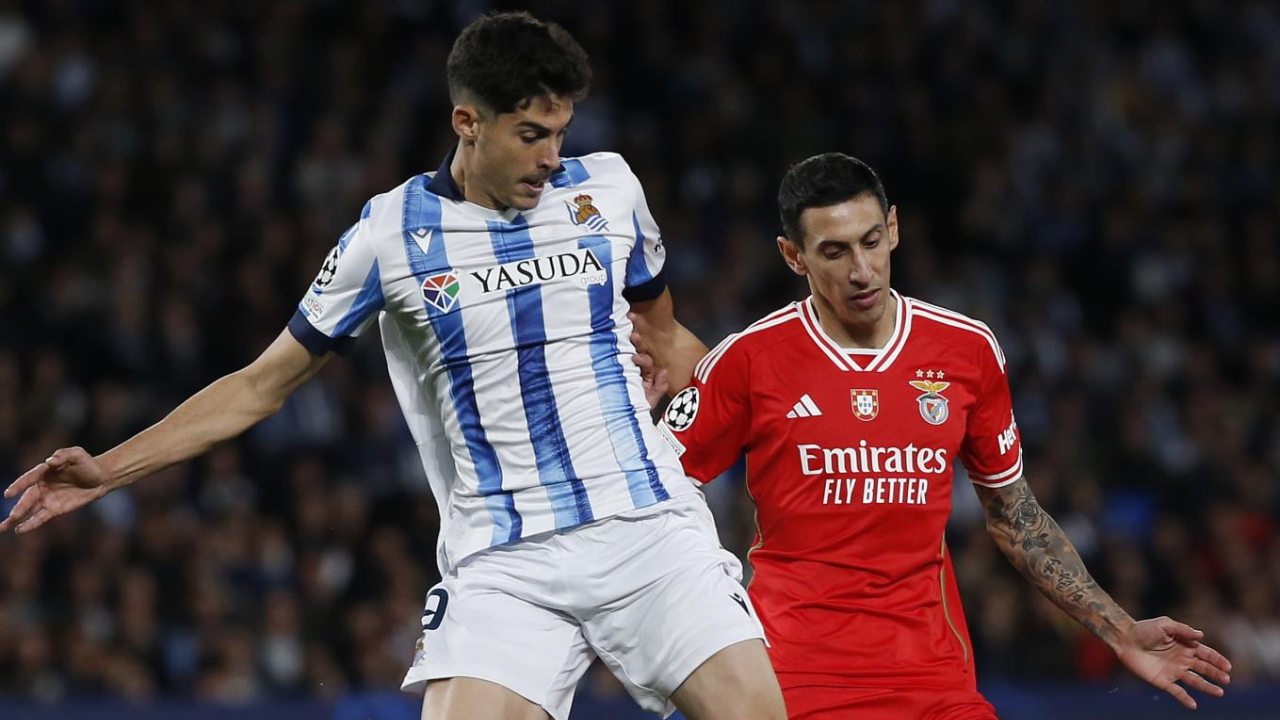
x: 549, y: 156
x: 860, y: 268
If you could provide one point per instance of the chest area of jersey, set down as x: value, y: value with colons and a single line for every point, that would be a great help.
x: 927, y: 400
x: 472, y: 267
x: 875, y: 440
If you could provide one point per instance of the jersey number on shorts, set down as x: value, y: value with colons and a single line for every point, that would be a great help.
x: 432, y: 616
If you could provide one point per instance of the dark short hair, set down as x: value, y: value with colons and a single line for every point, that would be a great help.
x: 503, y: 60
x: 822, y: 181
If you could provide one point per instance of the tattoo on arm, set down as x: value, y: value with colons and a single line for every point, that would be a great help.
x: 1038, y: 548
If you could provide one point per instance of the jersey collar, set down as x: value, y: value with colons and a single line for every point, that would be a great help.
x: 859, y: 360
x: 443, y: 184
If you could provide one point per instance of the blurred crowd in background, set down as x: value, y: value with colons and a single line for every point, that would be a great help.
x: 1096, y: 180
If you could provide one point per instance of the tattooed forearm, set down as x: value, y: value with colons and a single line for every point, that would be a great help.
x: 1039, y: 549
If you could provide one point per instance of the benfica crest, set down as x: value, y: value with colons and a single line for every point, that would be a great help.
x: 933, y: 407
x: 866, y: 404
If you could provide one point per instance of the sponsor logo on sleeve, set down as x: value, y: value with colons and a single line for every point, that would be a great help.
x: 671, y: 439
x: 312, y: 307
x: 1009, y: 437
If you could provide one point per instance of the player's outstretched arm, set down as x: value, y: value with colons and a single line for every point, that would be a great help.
x: 1161, y: 651
x: 672, y: 346
x: 71, y: 478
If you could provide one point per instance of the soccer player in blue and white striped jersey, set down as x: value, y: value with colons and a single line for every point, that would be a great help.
x: 501, y: 285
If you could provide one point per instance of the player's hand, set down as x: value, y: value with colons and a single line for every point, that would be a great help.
x: 655, y: 381
x: 1165, y: 652
x: 71, y: 478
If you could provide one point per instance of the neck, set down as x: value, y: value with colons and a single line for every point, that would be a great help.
x: 472, y: 190
x: 868, y: 336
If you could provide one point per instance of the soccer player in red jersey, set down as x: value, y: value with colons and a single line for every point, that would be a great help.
x: 851, y: 407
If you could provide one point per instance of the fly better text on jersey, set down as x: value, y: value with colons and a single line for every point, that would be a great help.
x: 816, y: 460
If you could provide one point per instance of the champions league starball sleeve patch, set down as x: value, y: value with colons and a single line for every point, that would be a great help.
x: 682, y: 410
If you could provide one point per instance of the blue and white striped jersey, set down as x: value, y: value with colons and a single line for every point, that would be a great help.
x: 508, y: 344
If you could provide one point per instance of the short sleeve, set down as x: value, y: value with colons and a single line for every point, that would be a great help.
x: 992, y: 448
x: 645, y: 280
x: 709, y: 422
x: 345, y: 296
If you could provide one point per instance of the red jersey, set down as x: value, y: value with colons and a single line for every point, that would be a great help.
x: 849, y: 461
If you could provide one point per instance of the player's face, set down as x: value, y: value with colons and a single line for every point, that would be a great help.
x: 846, y: 258
x: 516, y: 152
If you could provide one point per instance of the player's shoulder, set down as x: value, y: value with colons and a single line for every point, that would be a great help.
x: 601, y: 169
x: 386, y: 209
x: 953, y: 328
x: 602, y: 163
x: 780, y: 326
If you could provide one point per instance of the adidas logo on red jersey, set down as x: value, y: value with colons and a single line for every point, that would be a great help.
x: 804, y: 408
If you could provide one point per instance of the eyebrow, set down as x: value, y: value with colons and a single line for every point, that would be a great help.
x: 872, y: 229
x: 531, y: 125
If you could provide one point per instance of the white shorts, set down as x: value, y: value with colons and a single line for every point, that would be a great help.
x: 654, y: 597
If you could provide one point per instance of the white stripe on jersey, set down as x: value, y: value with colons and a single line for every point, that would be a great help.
x: 708, y: 363
x: 1000, y: 479
x: 804, y: 407
x: 810, y: 405
x: 964, y: 322
x: 700, y: 370
x: 811, y: 325
x: 887, y: 360
x: 901, y: 331
x: 878, y: 359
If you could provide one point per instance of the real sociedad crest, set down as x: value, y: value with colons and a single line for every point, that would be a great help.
x: 933, y: 407
x: 866, y: 404
x: 583, y: 212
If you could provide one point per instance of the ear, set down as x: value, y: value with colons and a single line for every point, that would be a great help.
x: 892, y: 224
x: 792, y: 255
x: 466, y: 122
